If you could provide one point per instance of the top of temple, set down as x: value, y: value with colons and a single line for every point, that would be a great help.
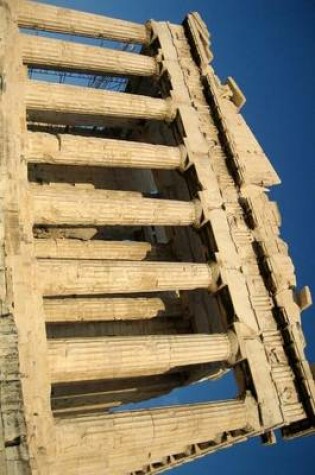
x: 274, y: 261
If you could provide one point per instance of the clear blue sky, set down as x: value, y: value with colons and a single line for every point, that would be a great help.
x: 268, y: 46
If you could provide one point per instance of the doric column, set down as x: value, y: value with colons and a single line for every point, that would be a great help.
x: 63, y: 20
x: 55, y: 54
x: 66, y: 99
x: 83, y: 359
x: 66, y: 149
x: 109, y: 309
x: 77, y: 249
x: 79, y: 277
x: 145, y: 436
x: 58, y: 206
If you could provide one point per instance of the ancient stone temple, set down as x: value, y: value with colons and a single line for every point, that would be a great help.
x: 139, y: 251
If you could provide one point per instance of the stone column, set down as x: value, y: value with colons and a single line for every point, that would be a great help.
x: 66, y: 149
x: 63, y: 20
x: 76, y: 100
x: 49, y: 53
x: 109, y: 309
x: 79, y: 277
x: 143, y: 437
x: 83, y: 359
x: 62, y: 206
x: 77, y: 249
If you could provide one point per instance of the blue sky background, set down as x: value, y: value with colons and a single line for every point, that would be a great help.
x: 268, y: 46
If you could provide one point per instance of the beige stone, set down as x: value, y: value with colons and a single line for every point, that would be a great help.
x: 61, y: 206
x: 100, y: 309
x: 93, y: 249
x: 43, y: 52
x: 104, y: 358
x: 76, y: 100
x: 140, y: 253
x: 62, y: 20
x: 79, y: 277
x: 67, y: 149
x: 162, y: 431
